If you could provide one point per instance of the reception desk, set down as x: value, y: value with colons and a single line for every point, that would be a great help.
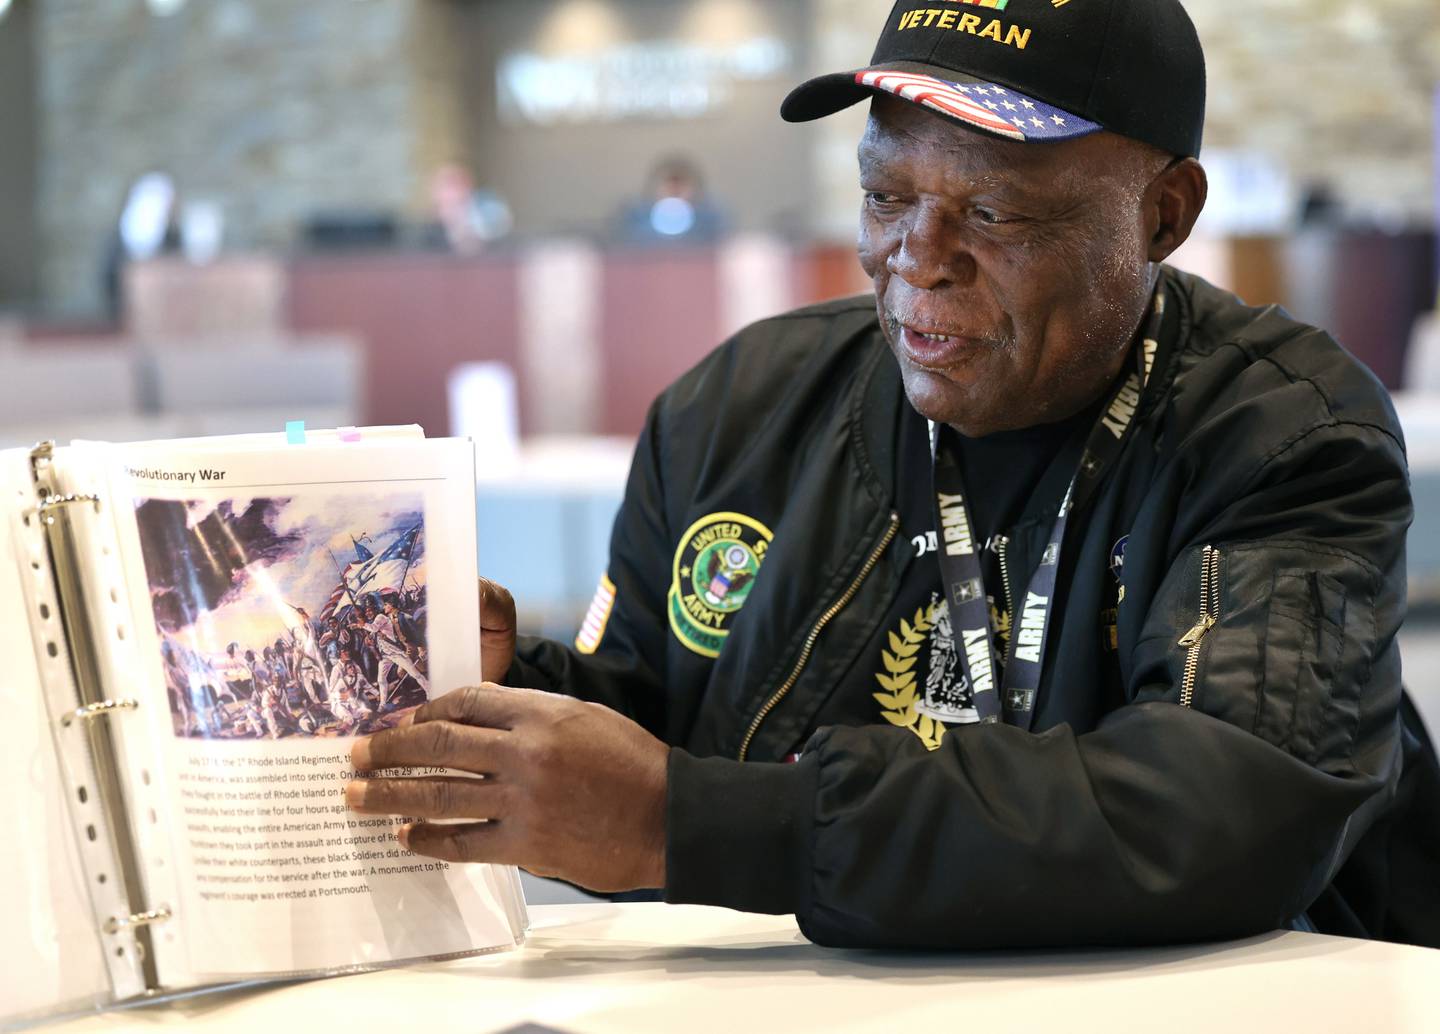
x: 594, y: 333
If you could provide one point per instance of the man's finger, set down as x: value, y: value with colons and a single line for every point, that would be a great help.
x: 461, y: 842
x: 497, y: 630
x: 489, y: 706
x: 497, y: 608
x: 439, y: 744
x: 433, y: 797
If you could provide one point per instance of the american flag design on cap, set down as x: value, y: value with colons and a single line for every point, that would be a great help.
x: 995, y: 109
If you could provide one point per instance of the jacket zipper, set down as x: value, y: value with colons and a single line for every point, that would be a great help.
x: 1001, y: 543
x: 1002, y: 550
x: 1209, y: 615
x: 809, y: 647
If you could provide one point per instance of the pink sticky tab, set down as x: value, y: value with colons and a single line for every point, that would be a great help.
x: 349, y: 434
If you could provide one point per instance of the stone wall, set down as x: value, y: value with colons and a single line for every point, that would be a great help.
x: 17, y: 159
x: 1340, y: 92
x: 271, y: 108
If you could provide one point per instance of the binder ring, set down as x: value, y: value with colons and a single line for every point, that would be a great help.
x: 56, y: 502
x: 95, y: 710
x: 158, y: 915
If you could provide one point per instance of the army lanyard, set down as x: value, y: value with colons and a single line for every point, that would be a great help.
x: 960, y: 570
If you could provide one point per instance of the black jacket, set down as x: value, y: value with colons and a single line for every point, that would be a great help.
x: 1146, y: 807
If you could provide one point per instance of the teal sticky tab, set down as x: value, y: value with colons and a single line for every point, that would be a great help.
x: 295, y: 432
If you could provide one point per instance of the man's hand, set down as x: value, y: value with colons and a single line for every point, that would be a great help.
x: 497, y: 630
x: 571, y: 789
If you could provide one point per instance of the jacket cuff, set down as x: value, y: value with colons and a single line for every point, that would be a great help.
x: 739, y: 835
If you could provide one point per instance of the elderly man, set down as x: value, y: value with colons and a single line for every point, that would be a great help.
x: 1048, y: 597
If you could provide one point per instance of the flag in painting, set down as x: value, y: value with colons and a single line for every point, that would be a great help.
x: 370, y: 572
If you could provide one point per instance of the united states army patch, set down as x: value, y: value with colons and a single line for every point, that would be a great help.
x: 715, y: 567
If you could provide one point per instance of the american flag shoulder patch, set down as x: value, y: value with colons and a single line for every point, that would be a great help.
x: 592, y: 629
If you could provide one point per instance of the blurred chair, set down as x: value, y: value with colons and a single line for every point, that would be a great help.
x: 62, y: 392
x: 256, y: 389
x: 483, y: 406
x: 61, y: 382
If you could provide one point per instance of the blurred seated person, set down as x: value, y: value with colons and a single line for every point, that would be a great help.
x: 675, y: 207
x: 148, y: 227
x: 466, y: 218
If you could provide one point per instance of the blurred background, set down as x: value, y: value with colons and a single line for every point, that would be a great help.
x: 520, y: 219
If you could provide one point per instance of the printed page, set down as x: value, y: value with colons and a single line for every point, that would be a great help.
x: 286, y: 600
x: 50, y: 955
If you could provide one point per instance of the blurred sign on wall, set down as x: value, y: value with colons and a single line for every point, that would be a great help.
x: 657, y: 79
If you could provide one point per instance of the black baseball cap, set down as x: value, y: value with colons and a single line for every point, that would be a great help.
x: 1034, y: 69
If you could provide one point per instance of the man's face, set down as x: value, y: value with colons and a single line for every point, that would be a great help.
x: 1010, y: 277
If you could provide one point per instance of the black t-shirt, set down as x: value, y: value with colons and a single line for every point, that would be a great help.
x: 913, y: 655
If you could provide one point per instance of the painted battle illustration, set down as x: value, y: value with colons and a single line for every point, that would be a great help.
x: 295, y: 616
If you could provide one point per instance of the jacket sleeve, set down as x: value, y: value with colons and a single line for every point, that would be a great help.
x: 624, y: 669
x: 1221, y: 815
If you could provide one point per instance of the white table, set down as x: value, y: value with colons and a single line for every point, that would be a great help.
x: 589, y: 969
